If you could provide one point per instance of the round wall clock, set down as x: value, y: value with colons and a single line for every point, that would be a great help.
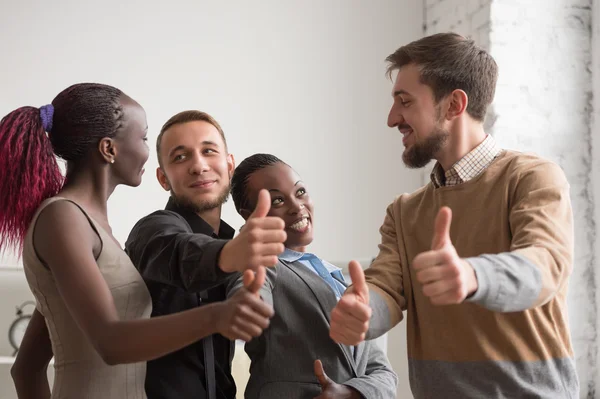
x: 18, y: 326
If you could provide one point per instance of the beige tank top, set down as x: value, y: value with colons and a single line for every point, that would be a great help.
x: 79, y: 371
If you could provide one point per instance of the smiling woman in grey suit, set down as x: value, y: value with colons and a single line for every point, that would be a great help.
x: 303, y: 290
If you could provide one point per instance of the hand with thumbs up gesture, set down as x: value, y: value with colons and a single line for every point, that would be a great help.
x: 245, y: 315
x: 259, y: 242
x: 330, y: 389
x: 447, y: 279
x: 350, y: 317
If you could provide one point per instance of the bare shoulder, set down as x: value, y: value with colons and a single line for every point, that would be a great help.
x: 61, y: 226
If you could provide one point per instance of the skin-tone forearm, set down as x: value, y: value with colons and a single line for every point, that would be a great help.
x: 243, y: 316
x: 133, y: 341
x: 88, y: 298
x: 31, y: 386
x: 29, y: 372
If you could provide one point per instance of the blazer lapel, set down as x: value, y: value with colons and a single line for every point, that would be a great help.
x: 358, y: 351
x: 326, y: 299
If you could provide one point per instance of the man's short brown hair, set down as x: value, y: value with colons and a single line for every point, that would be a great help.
x: 185, y: 117
x: 447, y: 62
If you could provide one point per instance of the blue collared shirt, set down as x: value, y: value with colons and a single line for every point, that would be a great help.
x: 292, y: 256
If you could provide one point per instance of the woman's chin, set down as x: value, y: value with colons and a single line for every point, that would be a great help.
x: 299, y: 244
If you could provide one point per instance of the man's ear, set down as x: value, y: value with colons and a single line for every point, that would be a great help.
x: 457, y: 104
x: 162, y: 179
x: 230, y: 164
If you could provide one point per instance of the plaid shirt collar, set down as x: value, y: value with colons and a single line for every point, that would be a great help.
x: 470, y: 166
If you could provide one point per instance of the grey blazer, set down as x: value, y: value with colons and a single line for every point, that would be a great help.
x: 283, y: 356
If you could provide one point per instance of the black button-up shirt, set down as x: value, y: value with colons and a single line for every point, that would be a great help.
x: 176, y: 252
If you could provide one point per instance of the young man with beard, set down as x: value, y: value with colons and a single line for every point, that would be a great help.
x: 480, y: 257
x: 186, y: 254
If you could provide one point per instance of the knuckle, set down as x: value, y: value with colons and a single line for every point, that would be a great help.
x: 280, y: 223
x: 253, y: 236
x: 337, y: 317
x: 236, y: 312
x: 252, y: 223
x: 243, y: 309
x: 426, y: 290
x: 455, y: 271
x: 417, y: 262
x: 447, y: 257
x: 255, y: 248
x: 458, y: 281
x: 458, y: 296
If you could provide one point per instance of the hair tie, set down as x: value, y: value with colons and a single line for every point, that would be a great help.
x: 47, y: 113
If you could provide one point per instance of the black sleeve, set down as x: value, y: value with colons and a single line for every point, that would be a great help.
x: 164, y: 249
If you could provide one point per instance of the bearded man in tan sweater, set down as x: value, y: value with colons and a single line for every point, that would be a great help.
x: 479, y: 258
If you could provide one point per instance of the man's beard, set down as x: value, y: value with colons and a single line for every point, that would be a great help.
x: 420, y: 153
x: 200, y: 206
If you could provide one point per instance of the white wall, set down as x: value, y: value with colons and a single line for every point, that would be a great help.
x: 303, y: 80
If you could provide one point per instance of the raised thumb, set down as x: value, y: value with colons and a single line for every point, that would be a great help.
x: 357, y: 275
x: 441, y: 230
x: 252, y: 281
x: 263, y: 205
x: 320, y: 374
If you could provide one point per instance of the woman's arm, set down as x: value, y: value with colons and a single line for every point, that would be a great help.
x: 65, y: 240
x: 29, y: 372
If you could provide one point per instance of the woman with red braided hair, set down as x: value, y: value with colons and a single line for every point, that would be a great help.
x: 93, y: 306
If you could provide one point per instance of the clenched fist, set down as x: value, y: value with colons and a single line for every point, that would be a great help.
x: 245, y: 315
x: 446, y: 278
x: 350, y: 317
x: 259, y: 242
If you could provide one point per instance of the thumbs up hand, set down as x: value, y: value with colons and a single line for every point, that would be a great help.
x: 244, y: 315
x: 350, y: 317
x: 446, y: 278
x: 253, y: 282
x: 330, y: 389
x: 259, y: 242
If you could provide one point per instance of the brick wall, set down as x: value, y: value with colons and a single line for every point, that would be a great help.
x: 595, y: 180
x: 544, y: 104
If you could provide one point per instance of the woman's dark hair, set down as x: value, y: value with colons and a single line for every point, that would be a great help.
x: 239, y: 181
x: 31, y: 138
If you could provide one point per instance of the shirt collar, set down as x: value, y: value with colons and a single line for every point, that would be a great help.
x: 468, y: 167
x: 199, y: 225
x: 291, y: 256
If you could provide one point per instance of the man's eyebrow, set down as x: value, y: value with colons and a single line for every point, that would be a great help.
x: 178, y: 148
x: 398, y: 92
